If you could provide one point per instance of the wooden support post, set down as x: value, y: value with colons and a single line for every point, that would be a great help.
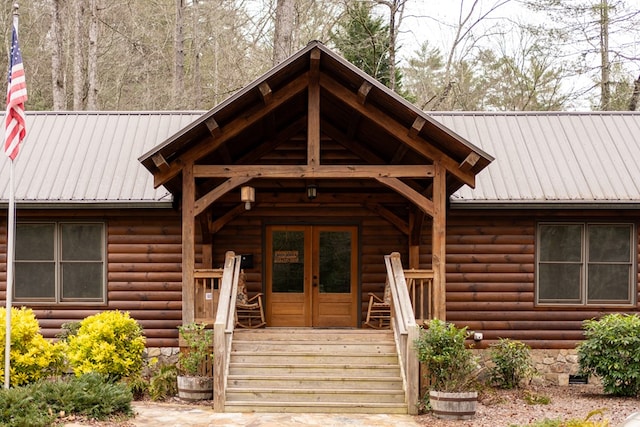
x: 313, y: 111
x: 188, y: 243
x: 439, y: 241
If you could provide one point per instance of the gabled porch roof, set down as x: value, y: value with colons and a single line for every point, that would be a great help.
x: 361, y: 122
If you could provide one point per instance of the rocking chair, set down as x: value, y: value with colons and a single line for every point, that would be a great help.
x: 249, y: 311
x: 379, y: 311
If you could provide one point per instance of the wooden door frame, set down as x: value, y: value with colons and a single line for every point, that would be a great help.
x: 311, y: 252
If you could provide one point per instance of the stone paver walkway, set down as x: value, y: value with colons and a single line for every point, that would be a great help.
x: 154, y: 414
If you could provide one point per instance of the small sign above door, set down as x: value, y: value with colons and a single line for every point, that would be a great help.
x: 285, y: 257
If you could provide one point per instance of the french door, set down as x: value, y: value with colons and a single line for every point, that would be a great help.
x: 311, y: 276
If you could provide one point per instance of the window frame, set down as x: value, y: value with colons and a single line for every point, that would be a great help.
x: 58, y: 262
x: 585, y: 262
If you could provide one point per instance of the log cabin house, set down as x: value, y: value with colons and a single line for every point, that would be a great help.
x: 308, y: 179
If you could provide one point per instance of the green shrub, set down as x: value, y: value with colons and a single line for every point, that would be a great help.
x: 512, y: 363
x: 450, y: 365
x: 611, y: 351
x: 198, y: 339
x: 109, y: 343
x: 163, y: 383
x: 32, y: 356
x: 40, y: 403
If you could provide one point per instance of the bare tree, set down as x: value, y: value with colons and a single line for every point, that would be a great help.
x: 396, y: 13
x: 283, y: 31
x: 79, y: 55
x: 92, y: 57
x: 55, y: 40
x: 178, y: 68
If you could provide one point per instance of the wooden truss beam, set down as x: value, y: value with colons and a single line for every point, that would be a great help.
x: 304, y: 171
x: 397, y: 129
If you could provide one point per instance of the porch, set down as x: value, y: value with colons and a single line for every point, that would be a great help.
x: 315, y: 370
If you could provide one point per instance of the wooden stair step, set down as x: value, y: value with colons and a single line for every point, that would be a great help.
x: 314, y: 395
x: 387, y: 383
x: 316, y: 407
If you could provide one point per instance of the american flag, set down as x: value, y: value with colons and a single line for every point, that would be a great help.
x: 15, y: 130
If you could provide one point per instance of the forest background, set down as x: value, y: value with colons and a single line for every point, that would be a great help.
x: 506, y: 55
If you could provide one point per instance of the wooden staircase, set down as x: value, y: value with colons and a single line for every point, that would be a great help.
x: 314, y: 370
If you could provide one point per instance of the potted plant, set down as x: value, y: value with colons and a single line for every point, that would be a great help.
x: 451, y: 370
x: 193, y: 384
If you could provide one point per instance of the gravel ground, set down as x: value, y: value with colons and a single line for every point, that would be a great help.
x: 510, y: 407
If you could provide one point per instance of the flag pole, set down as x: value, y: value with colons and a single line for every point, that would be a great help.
x: 10, y: 254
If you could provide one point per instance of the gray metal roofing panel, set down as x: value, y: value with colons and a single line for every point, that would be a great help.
x: 82, y: 157
x: 555, y: 157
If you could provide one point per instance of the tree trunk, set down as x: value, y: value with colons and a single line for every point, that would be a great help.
x: 178, y: 70
x: 57, y: 70
x: 282, y: 45
x: 635, y: 95
x: 605, y: 84
x: 92, y: 58
x: 78, y: 57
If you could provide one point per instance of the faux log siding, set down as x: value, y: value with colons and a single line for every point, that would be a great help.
x: 490, y: 280
x: 144, y: 273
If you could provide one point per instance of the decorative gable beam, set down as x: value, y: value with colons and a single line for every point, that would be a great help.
x: 396, y: 129
x: 417, y: 126
x: 468, y: 163
x: 232, y: 129
x: 363, y: 92
x: 265, y: 92
x: 313, y: 110
x: 213, y: 127
x: 424, y: 204
x: 160, y: 162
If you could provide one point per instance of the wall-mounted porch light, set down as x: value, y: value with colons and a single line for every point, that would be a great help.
x: 248, y: 196
x: 312, y: 191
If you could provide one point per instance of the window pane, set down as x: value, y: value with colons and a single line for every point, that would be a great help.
x: 560, y: 242
x: 35, y: 242
x: 82, y: 242
x: 288, y: 261
x: 609, y: 282
x: 82, y: 280
x: 34, y: 280
x: 335, y: 262
x: 610, y: 243
x: 559, y: 282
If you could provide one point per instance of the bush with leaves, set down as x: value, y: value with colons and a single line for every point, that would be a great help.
x: 611, y: 351
x: 32, y: 356
x: 512, y: 363
x: 38, y: 404
x: 109, y: 343
x: 198, y: 339
x: 163, y: 382
x: 441, y: 348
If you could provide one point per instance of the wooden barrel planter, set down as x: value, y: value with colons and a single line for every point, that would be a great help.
x: 453, y: 406
x: 195, y: 388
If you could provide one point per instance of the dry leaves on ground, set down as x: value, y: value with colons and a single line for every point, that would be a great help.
x: 498, y: 408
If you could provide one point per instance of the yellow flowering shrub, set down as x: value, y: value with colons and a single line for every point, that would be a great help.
x: 32, y: 356
x: 110, y: 343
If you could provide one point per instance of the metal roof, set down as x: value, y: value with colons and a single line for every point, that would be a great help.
x: 89, y: 157
x: 552, y: 158
x: 559, y: 159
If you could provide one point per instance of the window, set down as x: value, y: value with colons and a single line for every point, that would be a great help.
x: 585, y: 263
x: 60, y: 262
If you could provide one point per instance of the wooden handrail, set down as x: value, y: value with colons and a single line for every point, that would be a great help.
x: 223, y: 328
x: 405, y: 329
